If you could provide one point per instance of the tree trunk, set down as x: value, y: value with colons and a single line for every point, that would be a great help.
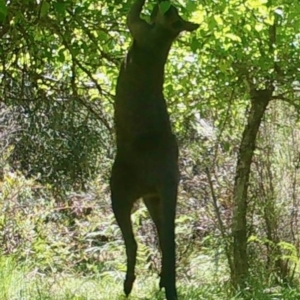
x: 259, y: 103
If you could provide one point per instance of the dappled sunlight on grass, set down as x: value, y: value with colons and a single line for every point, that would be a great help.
x: 19, y: 282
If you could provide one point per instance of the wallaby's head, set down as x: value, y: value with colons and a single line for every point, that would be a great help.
x: 170, y: 20
x: 164, y: 18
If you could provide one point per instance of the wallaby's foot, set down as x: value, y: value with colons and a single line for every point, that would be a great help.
x: 170, y: 290
x: 128, y: 283
x: 171, y: 293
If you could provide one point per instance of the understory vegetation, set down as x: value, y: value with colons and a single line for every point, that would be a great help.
x: 73, y: 249
x: 233, y: 92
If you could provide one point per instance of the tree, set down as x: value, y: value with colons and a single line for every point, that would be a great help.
x: 254, y: 49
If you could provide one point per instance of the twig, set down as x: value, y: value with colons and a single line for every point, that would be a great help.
x: 220, y: 222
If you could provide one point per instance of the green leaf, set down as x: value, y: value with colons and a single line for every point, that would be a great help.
x: 44, y: 8
x: 191, y: 6
x: 227, y: 146
x: 195, y: 44
x: 164, y: 6
x: 223, y: 66
x: 212, y: 24
x: 60, y: 8
x: 254, y: 238
x: 102, y: 35
x: 3, y: 10
x: 61, y: 55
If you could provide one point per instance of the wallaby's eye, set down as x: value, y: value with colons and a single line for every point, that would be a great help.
x: 177, y: 24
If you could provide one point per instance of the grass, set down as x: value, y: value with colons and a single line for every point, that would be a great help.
x: 21, y: 282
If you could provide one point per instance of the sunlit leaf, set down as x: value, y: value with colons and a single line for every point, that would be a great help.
x: 218, y: 19
x: 233, y: 37
x: 248, y: 27
x: 256, y: 3
x: 279, y: 11
x: 259, y: 27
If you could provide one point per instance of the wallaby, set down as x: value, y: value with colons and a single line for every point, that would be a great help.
x: 146, y: 162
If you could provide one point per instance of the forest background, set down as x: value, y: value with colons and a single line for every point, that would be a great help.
x: 233, y: 92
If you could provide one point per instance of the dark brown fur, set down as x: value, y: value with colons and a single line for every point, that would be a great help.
x: 146, y: 164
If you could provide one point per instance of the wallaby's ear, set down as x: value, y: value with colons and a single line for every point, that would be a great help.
x: 154, y: 13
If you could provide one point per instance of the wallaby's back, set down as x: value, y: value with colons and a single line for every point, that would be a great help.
x: 140, y: 107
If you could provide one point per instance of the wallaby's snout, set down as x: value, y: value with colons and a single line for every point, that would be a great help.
x: 189, y: 26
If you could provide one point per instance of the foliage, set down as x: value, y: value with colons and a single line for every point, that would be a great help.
x: 58, y: 65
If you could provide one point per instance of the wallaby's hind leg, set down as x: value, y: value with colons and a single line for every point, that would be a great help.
x: 122, y: 203
x: 154, y: 207
x: 122, y: 214
x: 168, y: 195
x: 162, y: 210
